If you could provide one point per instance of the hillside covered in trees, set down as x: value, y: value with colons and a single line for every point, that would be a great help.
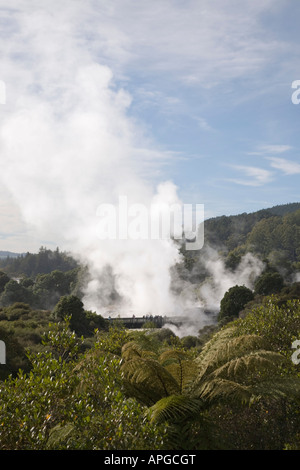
x: 75, y: 381
x: 271, y: 234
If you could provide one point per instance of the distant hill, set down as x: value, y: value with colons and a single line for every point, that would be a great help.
x: 271, y: 234
x: 232, y: 231
x: 42, y: 262
x: 10, y: 254
x: 284, y: 208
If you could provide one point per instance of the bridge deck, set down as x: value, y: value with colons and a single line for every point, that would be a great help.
x: 159, y: 321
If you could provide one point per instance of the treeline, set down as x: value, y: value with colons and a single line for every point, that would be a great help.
x: 41, y: 292
x: 271, y: 234
x: 43, y: 262
x: 233, y: 231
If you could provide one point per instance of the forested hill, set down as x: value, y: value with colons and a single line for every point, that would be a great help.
x: 43, y: 262
x: 271, y: 234
x: 232, y: 231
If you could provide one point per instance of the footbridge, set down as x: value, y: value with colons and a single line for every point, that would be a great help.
x: 159, y: 321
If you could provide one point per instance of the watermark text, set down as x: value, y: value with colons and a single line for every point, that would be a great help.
x: 2, y: 353
x: 296, y: 94
x: 158, y: 222
x: 296, y: 354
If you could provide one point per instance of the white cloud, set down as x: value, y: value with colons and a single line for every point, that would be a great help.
x: 271, y: 149
x: 203, y: 124
x: 257, y: 176
x: 286, y: 166
x: 196, y: 42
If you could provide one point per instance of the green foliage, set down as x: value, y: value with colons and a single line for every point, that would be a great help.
x: 175, y: 408
x: 234, y: 301
x: 290, y: 292
x: 41, y: 292
x: 233, y: 231
x: 112, y: 341
x: 16, y: 358
x: 4, y: 279
x: 72, y: 401
x: 279, y: 325
x: 15, y: 292
x: 180, y: 366
x: 269, y: 283
x: 181, y: 413
x: 147, y: 380
x: 47, y: 289
x: 81, y: 321
x: 234, y: 370
x: 43, y: 262
x: 271, y: 234
x: 130, y: 390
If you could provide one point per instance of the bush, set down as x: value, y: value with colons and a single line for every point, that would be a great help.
x: 72, y: 401
x: 269, y: 283
x: 234, y: 301
x: 280, y: 325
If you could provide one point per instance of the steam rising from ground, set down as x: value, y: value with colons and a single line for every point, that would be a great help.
x: 221, y: 279
x: 202, y: 302
x: 68, y: 144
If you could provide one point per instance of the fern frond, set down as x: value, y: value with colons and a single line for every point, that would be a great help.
x: 149, y: 378
x: 287, y: 388
x: 224, y: 349
x: 179, y: 365
x: 224, y: 391
x: 172, y: 355
x: 175, y: 408
x: 134, y: 349
x: 219, y: 338
x: 252, y: 367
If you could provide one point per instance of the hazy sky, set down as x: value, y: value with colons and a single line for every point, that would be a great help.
x: 127, y: 94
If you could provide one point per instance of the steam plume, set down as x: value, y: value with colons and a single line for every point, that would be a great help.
x: 67, y: 145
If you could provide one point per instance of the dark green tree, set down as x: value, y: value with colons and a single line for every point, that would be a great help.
x: 4, y: 279
x: 234, y: 301
x: 15, y: 292
x: 269, y: 283
x: 71, y: 306
x: 82, y: 322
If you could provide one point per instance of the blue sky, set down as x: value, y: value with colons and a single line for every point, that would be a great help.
x: 199, y: 91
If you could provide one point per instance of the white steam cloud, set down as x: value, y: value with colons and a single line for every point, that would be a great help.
x: 221, y: 279
x: 67, y: 145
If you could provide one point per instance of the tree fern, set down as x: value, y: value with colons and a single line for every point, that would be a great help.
x: 251, y: 367
x: 231, y: 370
x: 133, y: 350
x: 238, y: 369
x: 286, y: 387
x: 216, y: 391
x: 224, y: 347
x: 148, y: 380
x: 175, y: 408
x: 179, y: 364
x: 179, y: 412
